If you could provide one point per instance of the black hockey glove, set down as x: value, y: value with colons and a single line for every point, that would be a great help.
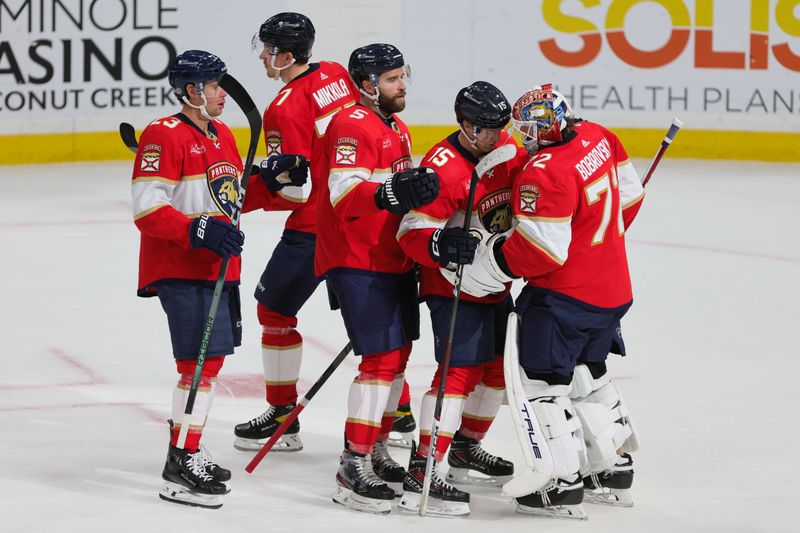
x: 221, y: 237
x: 453, y: 245
x: 278, y: 171
x: 408, y: 190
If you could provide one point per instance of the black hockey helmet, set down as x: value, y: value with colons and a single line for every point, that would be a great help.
x: 370, y: 61
x: 484, y: 105
x: 289, y: 31
x: 196, y: 67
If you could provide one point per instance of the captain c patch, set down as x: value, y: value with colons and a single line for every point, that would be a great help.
x: 151, y: 158
x: 528, y: 194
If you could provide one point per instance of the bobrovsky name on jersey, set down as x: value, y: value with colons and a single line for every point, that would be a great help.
x: 594, y: 159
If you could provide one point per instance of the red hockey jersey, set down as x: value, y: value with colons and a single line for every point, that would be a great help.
x: 179, y: 174
x: 491, y: 210
x: 295, y: 122
x: 573, y: 203
x: 363, y: 151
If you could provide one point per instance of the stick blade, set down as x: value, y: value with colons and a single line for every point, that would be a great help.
x: 128, y: 135
x: 499, y: 155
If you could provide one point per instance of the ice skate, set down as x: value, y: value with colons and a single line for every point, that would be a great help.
x: 359, y: 488
x: 403, y: 428
x: 186, y: 481
x: 472, y: 465
x: 214, y: 470
x: 387, y: 468
x: 252, y: 435
x: 612, y: 486
x: 560, y: 499
x: 443, y: 499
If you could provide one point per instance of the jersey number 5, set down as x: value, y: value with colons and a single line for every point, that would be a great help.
x: 441, y: 156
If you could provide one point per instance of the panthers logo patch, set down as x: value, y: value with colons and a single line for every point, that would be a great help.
x: 223, y: 184
x: 494, y: 210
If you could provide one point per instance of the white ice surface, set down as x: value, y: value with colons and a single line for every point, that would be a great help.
x: 86, y: 373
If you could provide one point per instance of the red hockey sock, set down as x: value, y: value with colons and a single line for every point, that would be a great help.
x: 202, y: 402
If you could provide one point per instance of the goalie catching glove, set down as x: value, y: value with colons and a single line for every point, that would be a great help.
x: 279, y: 171
x: 408, y: 190
x: 483, y: 276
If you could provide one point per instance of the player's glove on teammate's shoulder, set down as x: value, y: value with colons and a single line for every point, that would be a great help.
x: 279, y: 171
x: 408, y: 190
x: 219, y: 236
x: 453, y: 245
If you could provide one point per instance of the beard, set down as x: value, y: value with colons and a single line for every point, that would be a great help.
x: 391, y: 105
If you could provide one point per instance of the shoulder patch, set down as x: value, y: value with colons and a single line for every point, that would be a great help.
x: 151, y: 158
x: 345, y: 152
x: 528, y: 194
x: 274, y: 141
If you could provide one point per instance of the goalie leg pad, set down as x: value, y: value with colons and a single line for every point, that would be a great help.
x: 605, y: 419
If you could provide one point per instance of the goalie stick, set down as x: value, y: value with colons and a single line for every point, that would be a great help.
x: 668, y: 138
x: 243, y: 100
x: 292, y: 416
x: 492, y: 159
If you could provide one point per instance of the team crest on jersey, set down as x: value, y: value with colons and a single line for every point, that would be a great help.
x: 404, y: 163
x: 274, y: 140
x: 223, y: 184
x: 345, y: 154
x: 197, y: 149
x: 528, y: 194
x: 494, y: 210
x: 151, y: 158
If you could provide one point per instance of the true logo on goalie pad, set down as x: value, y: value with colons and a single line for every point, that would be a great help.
x: 223, y: 184
x: 345, y: 154
x: 528, y: 194
x: 151, y: 158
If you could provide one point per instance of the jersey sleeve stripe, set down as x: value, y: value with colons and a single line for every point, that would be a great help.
x: 185, y: 196
x: 630, y: 186
x: 296, y: 194
x: 414, y: 220
x: 552, y: 236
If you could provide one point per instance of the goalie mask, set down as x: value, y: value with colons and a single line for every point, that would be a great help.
x: 539, y: 116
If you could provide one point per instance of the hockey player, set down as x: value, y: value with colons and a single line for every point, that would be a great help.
x: 294, y: 124
x: 371, y: 184
x: 433, y: 235
x: 185, y: 189
x: 573, y: 201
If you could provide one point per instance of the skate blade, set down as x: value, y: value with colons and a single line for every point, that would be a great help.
x: 569, y: 512
x: 606, y: 496
x: 175, y: 493
x: 287, y: 443
x: 465, y: 476
x: 351, y: 500
x: 400, y: 440
x: 439, y: 508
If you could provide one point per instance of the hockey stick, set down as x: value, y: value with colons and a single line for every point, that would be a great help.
x: 492, y: 159
x: 668, y: 138
x: 292, y: 416
x: 243, y: 100
x: 128, y: 135
x: 535, y: 449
